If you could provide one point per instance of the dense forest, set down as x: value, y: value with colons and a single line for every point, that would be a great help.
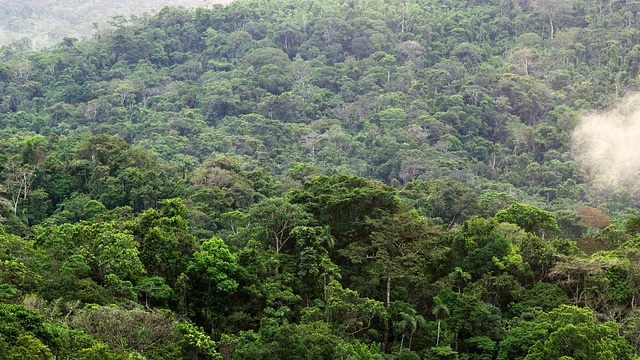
x: 39, y: 23
x: 339, y: 179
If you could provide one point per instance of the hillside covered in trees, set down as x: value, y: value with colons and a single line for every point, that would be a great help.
x: 39, y: 23
x: 324, y: 180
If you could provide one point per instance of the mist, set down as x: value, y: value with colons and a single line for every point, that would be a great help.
x: 607, y: 145
x: 47, y: 22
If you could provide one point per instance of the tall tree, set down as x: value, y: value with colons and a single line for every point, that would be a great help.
x: 166, y: 242
x: 439, y: 310
x: 529, y: 218
x: 551, y: 10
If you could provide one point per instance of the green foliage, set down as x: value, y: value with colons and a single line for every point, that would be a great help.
x: 343, y: 202
x: 274, y: 219
x: 93, y: 208
x: 348, y: 313
x: 529, y: 218
x: 28, y: 347
x: 290, y: 341
x: 469, y: 318
x: 304, y: 179
x: 214, y: 264
x: 545, y: 296
x: 394, y: 256
x: 165, y: 240
x: 573, y: 326
x: 632, y: 226
x: 153, y: 289
x: 213, y: 274
x: 92, y: 250
x: 196, y: 344
x: 100, y: 352
x: 25, y: 334
x: 360, y: 351
x: 570, y: 226
x: 481, y: 261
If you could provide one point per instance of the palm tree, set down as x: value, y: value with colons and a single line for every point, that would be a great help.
x: 420, y: 322
x: 459, y: 277
x: 440, y: 310
x: 410, y: 322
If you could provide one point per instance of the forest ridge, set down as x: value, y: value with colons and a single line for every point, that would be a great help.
x: 324, y: 180
x: 43, y: 23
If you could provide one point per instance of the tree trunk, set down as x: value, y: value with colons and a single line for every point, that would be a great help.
x: 438, y: 338
x: 386, y: 330
x: 410, y: 339
x: 388, y: 291
x: 278, y: 247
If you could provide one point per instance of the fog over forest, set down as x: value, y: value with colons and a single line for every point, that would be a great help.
x: 45, y: 22
x: 605, y: 144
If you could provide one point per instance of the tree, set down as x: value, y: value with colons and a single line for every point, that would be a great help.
x: 344, y: 202
x: 440, y: 310
x: 551, y: 10
x: 26, y: 332
x: 467, y: 52
x: 348, y: 313
x: 529, y: 218
x: 104, y: 150
x: 492, y: 201
x: 410, y: 322
x: 470, y: 319
x: 523, y: 59
x: 570, y: 225
x: 224, y: 173
x: 147, y: 333
x: 213, y: 275
x: 315, y: 268
x: 28, y: 347
x: 414, y: 52
x: 312, y: 340
x: 459, y: 277
x: 196, y: 344
x: 153, y: 288
x: 565, y: 332
x: 395, y: 253
x: 449, y: 200
x: 593, y: 218
x: 275, y: 218
x: 166, y: 242
x: 267, y: 56
x: 92, y: 250
x: 18, y: 184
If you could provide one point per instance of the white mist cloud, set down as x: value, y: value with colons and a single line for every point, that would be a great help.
x: 607, y: 145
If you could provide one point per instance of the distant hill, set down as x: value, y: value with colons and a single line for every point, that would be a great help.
x: 486, y: 93
x: 48, y: 21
